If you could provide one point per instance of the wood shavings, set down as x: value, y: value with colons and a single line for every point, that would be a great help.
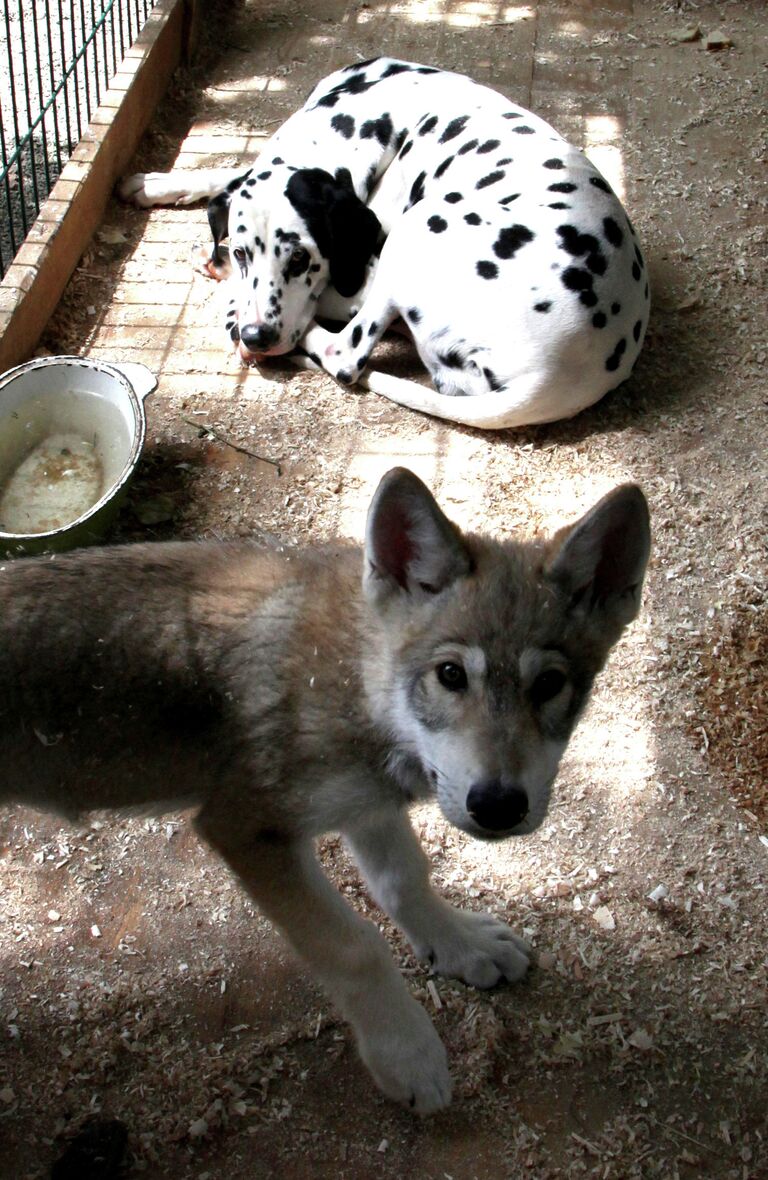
x: 604, y: 918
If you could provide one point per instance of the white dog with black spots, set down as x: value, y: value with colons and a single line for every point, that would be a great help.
x: 400, y: 191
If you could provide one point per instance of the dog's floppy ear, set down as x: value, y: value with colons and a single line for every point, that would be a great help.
x: 599, y: 563
x: 345, y: 229
x: 355, y: 233
x: 409, y: 542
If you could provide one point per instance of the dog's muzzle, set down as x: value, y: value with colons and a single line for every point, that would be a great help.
x: 497, y: 808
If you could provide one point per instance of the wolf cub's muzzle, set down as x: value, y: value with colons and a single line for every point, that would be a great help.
x: 497, y: 808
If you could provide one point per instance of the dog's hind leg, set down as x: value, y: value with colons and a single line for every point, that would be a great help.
x: 475, y: 947
x: 176, y: 188
x: 395, y: 1037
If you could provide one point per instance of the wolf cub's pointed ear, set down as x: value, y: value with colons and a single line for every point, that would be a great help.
x: 600, y: 561
x: 409, y: 542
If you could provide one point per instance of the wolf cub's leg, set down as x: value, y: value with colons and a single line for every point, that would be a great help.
x: 474, y: 947
x: 395, y: 1037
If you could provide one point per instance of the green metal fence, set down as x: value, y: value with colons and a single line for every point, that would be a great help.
x: 57, y: 58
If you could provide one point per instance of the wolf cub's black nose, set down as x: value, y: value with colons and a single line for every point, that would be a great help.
x: 496, y: 807
x: 257, y: 337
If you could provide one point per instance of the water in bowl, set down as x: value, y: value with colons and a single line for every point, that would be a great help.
x: 58, y: 457
x: 60, y: 479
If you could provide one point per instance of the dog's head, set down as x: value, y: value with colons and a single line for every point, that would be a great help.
x: 484, y: 652
x: 292, y: 232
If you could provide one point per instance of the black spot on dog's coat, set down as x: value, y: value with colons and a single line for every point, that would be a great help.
x: 469, y: 146
x: 493, y: 382
x: 598, y: 182
x: 472, y: 218
x: 543, y: 306
x: 487, y: 269
x: 429, y: 125
x: 490, y: 145
x: 443, y: 167
x: 491, y: 178
x: 524, y: 130
x: 554, y: 163
x: 612, y: 232
x: 637, y: 330
x: 437, y: 224
x: 453, y: 198
x: 562, y: 186
x: 511, y: 239
x: 615, y: 308
x: 344, y: 124
x: 397, y: 67
x: 579, y: 245
x: 636, y: 272
x: 451, y: 359
x: 575, y: 278
x: 599, y: 319
x: 417, y: 190
x: 454, y: 128
x: 380, y: 129
x: 357, y: 335
x: 414, y: 315
x: 559, y: 205
x: 614, y: 360
x: 405, y: 149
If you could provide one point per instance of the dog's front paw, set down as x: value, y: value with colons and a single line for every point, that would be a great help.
x: 407, y: 1058
x: 327, y: 350
x: 477, y: 948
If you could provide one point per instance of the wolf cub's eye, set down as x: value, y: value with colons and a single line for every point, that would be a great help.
x: 451, y: 676
x: 547, y: 686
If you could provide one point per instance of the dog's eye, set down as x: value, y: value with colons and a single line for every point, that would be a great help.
x: 547, y: 686
x: 240, y: 256
x: 299, y: 260
x: 451, y: 676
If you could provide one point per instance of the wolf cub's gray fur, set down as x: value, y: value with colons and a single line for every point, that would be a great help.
x: 281, y: 697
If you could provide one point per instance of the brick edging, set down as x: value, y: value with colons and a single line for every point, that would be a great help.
x: 36, y: 278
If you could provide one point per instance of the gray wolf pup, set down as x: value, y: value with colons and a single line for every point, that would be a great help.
x: 400, y: 190
x: 281, y: 698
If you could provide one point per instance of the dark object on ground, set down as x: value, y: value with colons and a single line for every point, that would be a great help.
x: 94, y: 1154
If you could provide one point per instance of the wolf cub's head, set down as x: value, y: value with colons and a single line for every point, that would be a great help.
x: 484, y: 652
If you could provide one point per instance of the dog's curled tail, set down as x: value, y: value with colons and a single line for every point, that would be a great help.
x: 522, y: 402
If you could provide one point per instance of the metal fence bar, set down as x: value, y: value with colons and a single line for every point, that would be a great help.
x: 57, y: 57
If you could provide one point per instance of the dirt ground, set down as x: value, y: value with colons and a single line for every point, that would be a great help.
x: 136, y: 981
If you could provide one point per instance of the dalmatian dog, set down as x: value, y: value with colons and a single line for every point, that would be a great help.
x: 400, y: 192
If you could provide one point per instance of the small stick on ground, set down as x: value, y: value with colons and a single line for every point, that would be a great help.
x: 205, y: 428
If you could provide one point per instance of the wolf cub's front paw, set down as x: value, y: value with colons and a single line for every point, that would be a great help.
x: 477, y: 948
x: 407, y: 1058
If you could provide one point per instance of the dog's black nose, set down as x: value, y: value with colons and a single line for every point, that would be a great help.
x: 496, y: 807
x: 259, y: 337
